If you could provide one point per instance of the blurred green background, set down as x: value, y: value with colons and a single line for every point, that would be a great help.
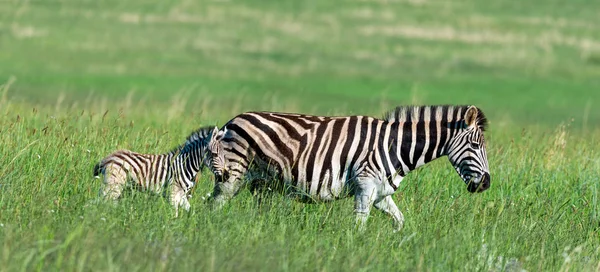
x: 523, y: 62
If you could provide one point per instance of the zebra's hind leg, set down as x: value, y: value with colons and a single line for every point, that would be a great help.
x: 114, y: 182
x: 388, y: 206
x: 364, y: 197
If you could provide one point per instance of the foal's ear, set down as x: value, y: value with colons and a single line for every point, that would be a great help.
x: 213, y: 134
x: 471, y: 116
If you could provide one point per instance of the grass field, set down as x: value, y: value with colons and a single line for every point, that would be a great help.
x: 83, y: 78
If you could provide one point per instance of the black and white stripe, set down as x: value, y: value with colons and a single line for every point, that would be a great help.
x: 327, y: 158
x: 155, y: 172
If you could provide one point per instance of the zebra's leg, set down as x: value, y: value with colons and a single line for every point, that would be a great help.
x: 365, y: 195
x: 388, y: 206
x: 114, y: 180
x: 179, y: 198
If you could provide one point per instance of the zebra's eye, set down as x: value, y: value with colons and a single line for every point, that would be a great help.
x: 475, y: 145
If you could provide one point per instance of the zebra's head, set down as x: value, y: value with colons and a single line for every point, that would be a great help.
x: 215, y: 153
x: 225, y: 187
x: 466, y: 151
x: 206, y: 136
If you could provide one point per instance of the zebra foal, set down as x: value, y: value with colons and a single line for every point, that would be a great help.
x: 154, y: 172
x: 327, y: 158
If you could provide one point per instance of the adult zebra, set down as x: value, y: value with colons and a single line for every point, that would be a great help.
x: 328, y: 158
x: 155, y: 172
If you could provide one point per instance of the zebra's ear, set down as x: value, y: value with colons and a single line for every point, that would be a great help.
x: 213, y: 134
x: 471, y: 116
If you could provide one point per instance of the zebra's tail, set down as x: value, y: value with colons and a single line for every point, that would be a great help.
x: 97, y: 169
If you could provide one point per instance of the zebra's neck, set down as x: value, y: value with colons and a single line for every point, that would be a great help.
x: 414, y: 144
x: 421, y: 133
x: 189, y: 159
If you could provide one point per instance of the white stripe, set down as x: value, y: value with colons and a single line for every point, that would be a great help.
x: 387, y: 151
x: 421, y: 160
x: 413, y: 122
x: 320, y: 156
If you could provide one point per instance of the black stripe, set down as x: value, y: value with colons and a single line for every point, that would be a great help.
x: 197, y: 156
x: 406, y: 143
x: 457, y: 122
x: 285, y: 123
x: 117, y: 163
x: 239, y: 154
x: 148, y: 168
x: 189, y: 166
x: 168, y: 167
x: 244, y: 164
x: 373, y: 135
x: 297, y: 118
x: 303, y: 123
x: 155, y: 169
x: 421, y: 137
x: 432, y: 136
x: 383, y: 151
x: 232, y: 140
x: 393, y: 149
x: 235, y: 170
x: 271, y: 134
x: 352, y: 122
x: 312, y: 118
x: 134, y: 165
x: 141, y: 162
x: 303, y: 145
x: 371, y: 149
x: 190, y: 158
x: 360, y: 147
x: 462, y: 150
x: 327, y: 160
x: 310, y: 164
x: 443, y: 132
x: 250, y: 140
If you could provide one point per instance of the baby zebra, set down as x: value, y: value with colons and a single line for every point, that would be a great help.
x: 155, y: 172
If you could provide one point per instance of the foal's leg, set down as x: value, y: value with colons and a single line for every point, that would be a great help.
x: 179, y: 198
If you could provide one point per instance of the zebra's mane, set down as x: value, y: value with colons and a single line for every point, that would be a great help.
x: 418, y: 114
x: 201, y: 134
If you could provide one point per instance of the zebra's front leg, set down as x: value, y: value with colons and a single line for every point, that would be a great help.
x: 388, y: 206
x: 363, y: 200
x: 179, y: 198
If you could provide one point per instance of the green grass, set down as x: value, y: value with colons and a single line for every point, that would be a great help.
x: 83, y: 78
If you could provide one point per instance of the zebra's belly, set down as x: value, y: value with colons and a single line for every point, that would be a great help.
x: 145, y: 184
x: 329, y: 188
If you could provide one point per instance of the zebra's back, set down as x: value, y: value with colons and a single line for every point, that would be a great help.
x: 148, y: 171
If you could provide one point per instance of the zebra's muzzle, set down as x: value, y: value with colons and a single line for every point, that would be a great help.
x: 221, y: 176
x: 479, y: 184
